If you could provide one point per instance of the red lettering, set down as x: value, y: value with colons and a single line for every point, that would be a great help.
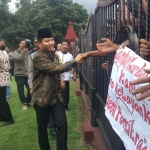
x: 126, y: 83
x: 118, y: 56
x: 121, y: 76
x: 139, y: 146
x: 136, y: 138
x: 139, y: 73
x: 111, y: 106
x: 108, y: 102
x: 126, y: 125
x: 134, y: 58
x: 121, y: 94
x: 131, y: 87
x: 116, y: 88
x: 113, y: 109
x: 111, y: 83
x: 146, y: 115
x: 118, y: 113
x: 128, y: 100
x: 132, y: 131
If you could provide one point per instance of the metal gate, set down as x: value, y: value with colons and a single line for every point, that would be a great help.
x: 117, y: 20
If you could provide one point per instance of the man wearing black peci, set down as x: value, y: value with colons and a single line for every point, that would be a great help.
x: 46, y: 93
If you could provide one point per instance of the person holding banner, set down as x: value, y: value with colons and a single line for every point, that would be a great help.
x: 109, y: 46
x: 144, y: 51
x: 144, y: 90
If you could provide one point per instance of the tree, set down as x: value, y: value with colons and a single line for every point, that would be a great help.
x: 32, y: 15
x: 5, y: 16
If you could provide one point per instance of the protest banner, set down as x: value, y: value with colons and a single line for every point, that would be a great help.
x: 129, y: 118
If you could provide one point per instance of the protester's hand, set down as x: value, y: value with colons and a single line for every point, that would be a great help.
x: 79, y: 58
x: 107, y: 46
x: 124, y: 44
x: 144, y: 90
x: 31, y: 90
x: 105, y: 65
x: 62, y: 85
x: 144, y: 47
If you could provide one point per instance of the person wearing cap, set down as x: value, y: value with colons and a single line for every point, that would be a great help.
x: 46, y: 94
x: 51, y: 125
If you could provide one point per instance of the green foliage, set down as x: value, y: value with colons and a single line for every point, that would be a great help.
x: 29, y: 17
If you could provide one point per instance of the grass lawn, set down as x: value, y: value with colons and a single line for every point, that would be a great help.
x: 23, y: 134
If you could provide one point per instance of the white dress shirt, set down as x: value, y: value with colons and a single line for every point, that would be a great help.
x: 65, y: 58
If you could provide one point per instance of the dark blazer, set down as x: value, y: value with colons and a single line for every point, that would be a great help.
x: 46, y: 78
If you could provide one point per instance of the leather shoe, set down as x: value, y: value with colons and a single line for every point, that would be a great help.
x: 7, y: 123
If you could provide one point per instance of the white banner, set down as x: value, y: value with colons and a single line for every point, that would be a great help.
x: 129, y: 118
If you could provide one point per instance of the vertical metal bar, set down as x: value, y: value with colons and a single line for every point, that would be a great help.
x: 116, y: 18
x: 133, y: 14
x: 123, y: 12
x: 113, y: 9
x: 147, y: 21
x: 147, y: 26
x: 128, y: 5
x: 139, y: 23
x: 108, y: 19
x: 103, y: 20
x: 120, y: 24
x: 100, y: 60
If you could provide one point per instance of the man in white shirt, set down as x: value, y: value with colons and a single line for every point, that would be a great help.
x: 5, y: 112
x: 66, y: 76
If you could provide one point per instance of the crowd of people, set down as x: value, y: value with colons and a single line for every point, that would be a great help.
x: 46, y: 72
x: 52, y: 89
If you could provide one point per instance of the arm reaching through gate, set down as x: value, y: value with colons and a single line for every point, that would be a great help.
x: 108, y: 46
x: 95, y: 53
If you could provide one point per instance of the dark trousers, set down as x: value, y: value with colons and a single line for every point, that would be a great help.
x: 65, y: 94
x: 21, y: 81
x: 5, y: 111
x: 59, y: 117
x: 51, y: 123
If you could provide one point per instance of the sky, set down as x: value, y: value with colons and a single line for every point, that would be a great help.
x: 90, y: 5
